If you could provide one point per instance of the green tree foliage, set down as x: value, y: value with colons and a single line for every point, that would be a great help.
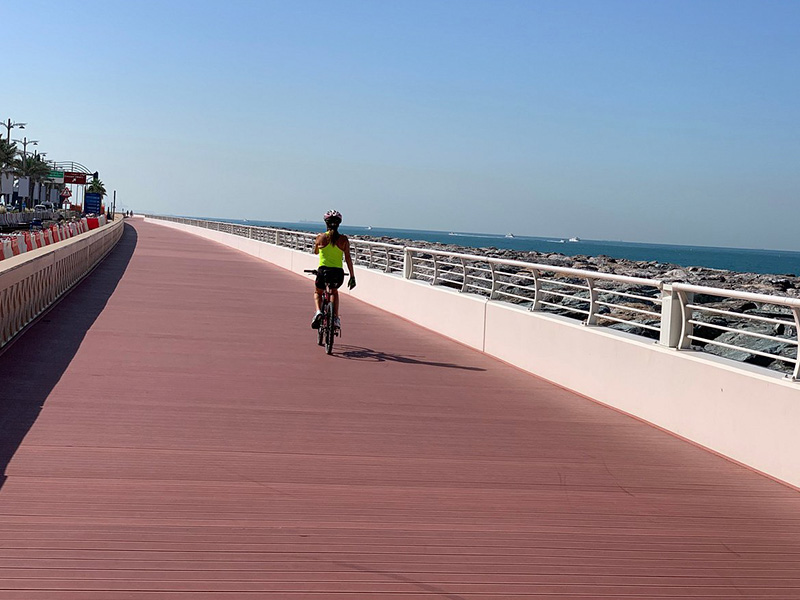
x: 97, y: 187
x: 32, y: 166
x: 8, y: 152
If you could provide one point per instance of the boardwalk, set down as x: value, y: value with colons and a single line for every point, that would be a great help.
x: 171, y: 430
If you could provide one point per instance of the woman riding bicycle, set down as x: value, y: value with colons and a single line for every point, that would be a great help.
x: 331, y: 246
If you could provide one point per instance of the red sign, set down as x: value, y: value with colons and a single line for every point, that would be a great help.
x: 73, y: 177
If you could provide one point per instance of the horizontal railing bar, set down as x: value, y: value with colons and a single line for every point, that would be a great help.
x: 763, y: 336
x: 565, y: 308
x: 480, y: 278
x: 743, y: 316
x: 555, y: 282
x: 710, y: 291
x: 745, y: 350
x: 634, y: 323
x: 641, y: 311
x: 552, y: 268
x: 656, y: 300
x: 562, y: 295
x: 510, y: 295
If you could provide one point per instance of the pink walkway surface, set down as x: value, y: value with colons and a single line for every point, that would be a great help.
x: 172, y: 430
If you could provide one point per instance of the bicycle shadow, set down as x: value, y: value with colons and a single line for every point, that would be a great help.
x: 33, y: 364
x: 369, y: 355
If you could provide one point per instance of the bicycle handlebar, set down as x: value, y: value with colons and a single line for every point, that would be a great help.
x: 315, y: 272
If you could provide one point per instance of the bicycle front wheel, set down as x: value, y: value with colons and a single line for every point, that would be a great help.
x: 330, y: 330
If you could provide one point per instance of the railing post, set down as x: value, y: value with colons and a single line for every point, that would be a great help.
x: 493, y: 291
x: 435, y: 269
x: 684, y: 299
x: 591, y: 318
x: 537, y: 291
x: 408, y: 263
x: 369, y: 248
x: 388, y: 268
x: 796, y: 315
x: 464, y: 271
x: 671, y: 318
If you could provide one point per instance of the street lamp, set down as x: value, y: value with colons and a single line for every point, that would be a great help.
x: 8, y: 125
x: 25, y: 141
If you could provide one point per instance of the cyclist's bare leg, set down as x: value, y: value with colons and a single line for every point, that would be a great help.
x: 335, y: 302
x: 318, y: 298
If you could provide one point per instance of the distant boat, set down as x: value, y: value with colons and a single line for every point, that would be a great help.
x: 452, y: 233
x: 574, y: 239
x: 509, y: 235
x: 369, y: 226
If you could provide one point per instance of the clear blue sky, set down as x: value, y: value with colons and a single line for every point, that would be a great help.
x: 660, y: 121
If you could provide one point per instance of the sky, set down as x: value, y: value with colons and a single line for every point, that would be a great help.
x: 638, y: 120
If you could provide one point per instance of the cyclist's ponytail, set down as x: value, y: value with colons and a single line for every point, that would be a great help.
x: 333, y: 233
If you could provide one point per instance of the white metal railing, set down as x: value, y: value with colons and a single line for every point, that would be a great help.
x: 761, y: 328
x: 596, y: 298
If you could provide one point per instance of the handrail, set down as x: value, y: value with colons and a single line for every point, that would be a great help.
x: 649, y: 308
x: 744, y: 332
x: 739, y: 295
x: 529, y: 265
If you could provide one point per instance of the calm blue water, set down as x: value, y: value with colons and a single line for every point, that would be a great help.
x: 734, y: 259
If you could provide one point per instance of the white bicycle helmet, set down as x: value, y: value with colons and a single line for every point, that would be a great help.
x: 332, y: 216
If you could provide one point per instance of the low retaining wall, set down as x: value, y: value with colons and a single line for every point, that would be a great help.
x: 32, y: 281
x: 745, y: 413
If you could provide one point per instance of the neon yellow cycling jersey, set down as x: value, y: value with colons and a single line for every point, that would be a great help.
x: 331, y: 256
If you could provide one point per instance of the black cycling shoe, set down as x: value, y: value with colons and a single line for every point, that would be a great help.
x: 316, y: 321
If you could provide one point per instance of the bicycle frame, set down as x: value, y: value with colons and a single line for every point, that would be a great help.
x: 327, y: 328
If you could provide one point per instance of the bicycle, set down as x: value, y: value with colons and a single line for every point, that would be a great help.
x: 327, y: 328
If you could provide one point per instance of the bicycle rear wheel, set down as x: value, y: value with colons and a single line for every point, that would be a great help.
x: 330, y: 330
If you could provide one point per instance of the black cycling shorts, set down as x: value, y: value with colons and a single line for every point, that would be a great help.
x: 331, y: 275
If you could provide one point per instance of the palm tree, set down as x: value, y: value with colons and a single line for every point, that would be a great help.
x: 32, y: 166
x: 97, y: 187
x: 7, y: 153
x: 8, y: 150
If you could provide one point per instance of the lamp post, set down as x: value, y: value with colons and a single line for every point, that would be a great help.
x: 25, y: 141
x: 8, y: 125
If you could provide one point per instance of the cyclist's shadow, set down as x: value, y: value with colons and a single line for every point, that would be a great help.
x: 369, y: 355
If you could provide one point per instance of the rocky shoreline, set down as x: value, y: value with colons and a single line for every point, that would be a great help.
x: 778, y: 285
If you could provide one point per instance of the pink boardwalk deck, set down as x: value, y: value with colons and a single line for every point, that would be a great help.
x: 171, y: 430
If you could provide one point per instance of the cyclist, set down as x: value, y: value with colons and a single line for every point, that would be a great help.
x: 331, y: 246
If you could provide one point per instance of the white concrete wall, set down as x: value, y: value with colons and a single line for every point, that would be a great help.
x: 746, y: 413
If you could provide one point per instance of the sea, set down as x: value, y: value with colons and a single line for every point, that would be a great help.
x: 743, y: 260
